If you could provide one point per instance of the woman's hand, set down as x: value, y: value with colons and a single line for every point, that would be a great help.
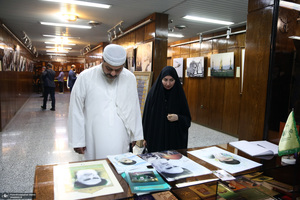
x: 80, y: 150
x: 172, y: 117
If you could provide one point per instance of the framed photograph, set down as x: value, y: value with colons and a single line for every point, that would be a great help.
x: 130, y: 59
x: 178, y: 65
x: 144, y: 57
x: 143, y: 80
x: 195, y: 67
x: 222, y: 64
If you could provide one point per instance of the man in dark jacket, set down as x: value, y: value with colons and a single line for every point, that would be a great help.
x: 72, y: 77
x: 49, y: 86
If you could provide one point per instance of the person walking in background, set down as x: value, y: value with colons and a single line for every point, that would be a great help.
x: 42, y: 82
x: 49, y: 86
x: 60, y: 79
x: 104, y: 110
x: 166, y: 116
x: 72, y: 77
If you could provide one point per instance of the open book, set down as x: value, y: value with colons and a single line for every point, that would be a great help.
x: 256, y: 148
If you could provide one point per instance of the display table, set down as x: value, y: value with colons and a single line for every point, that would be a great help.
x: 44, y: 185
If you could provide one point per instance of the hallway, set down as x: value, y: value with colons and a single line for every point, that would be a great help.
x: 37, y: 137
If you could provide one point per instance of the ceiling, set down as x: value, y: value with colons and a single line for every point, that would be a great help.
x: 26, y: 15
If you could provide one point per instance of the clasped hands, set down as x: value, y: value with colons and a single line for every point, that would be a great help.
x: 172, y: 117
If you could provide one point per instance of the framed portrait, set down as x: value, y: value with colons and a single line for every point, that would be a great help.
x: 222, y: 64
x: 130, y: 59
x: 144, y: 57
x: 195, y: 67
x: 178, y: 65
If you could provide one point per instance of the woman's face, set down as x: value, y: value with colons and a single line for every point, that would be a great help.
x: 168, y: 82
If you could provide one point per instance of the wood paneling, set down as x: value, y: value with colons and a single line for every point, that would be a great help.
x: 257, y: 54
x: 213, y: 101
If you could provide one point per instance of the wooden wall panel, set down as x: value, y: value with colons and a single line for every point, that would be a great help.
x: 214, y: 101
x: 257, y: 54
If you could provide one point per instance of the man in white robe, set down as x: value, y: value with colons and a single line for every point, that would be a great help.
x: 104, y: 110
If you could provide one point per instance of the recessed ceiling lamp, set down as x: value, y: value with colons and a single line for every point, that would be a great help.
x: 175, y: 35
x: 66, y: 25
x: 82, y: 3
x: 70, y: 17
x: 201, y: 19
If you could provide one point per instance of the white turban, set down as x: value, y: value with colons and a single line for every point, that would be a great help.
x: 114, y: 55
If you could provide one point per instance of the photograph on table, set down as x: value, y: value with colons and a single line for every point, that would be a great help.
x: 173, y: 165
x: 84, y: 180
x: 225, y: 160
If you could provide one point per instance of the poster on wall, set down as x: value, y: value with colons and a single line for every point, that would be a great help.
x: 130, y: 59
x: 7, y: 58
x: 195, y: 67
x: 178, y: 65
x: 222, y: 64
x: 144, y: 57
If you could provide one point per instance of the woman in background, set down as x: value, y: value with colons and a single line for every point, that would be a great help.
x: 166, y: 116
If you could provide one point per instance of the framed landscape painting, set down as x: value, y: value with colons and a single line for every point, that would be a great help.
x: 222, y: 64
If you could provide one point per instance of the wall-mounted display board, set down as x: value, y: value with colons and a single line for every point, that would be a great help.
x: 222, y: 64
x: 143, y: 80
x: 195, y: 67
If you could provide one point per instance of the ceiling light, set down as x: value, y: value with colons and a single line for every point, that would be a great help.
x: 289, y: 5
x: 82, y: 3
x: 59, y: 43
x: 53, y: 47
x: 175, y: 35
x: 56, y: 54
x: 70, y: 17
x: 201, y: 19
x: 53, y: 51
x: 59, y: 36
x: 66, y: 25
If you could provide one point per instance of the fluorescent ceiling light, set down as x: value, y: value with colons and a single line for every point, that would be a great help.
x: 289, y: 5
x: 201, y: 19
x: 53, y: 47
x: 82, y: 3
x: 59, y: 43
x: 175, y: 35
x: 66, y: 25
x: 53, y: 51
x: 56, y: 54
x: 45, y: 35
x: 295, y: 37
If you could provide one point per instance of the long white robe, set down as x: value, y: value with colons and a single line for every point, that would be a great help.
x: 104, y: 116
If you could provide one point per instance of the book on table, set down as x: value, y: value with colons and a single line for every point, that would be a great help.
x: 144, y: 181
x: 256, y: 148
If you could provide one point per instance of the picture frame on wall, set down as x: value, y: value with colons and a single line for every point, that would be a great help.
x: 178, y: 65
x: 222, y: 64
x: 144, y: 57
x: 195, y: 67
x: 130, y: 59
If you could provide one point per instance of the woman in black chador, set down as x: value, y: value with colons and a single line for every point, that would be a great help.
x: 166, y: 117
